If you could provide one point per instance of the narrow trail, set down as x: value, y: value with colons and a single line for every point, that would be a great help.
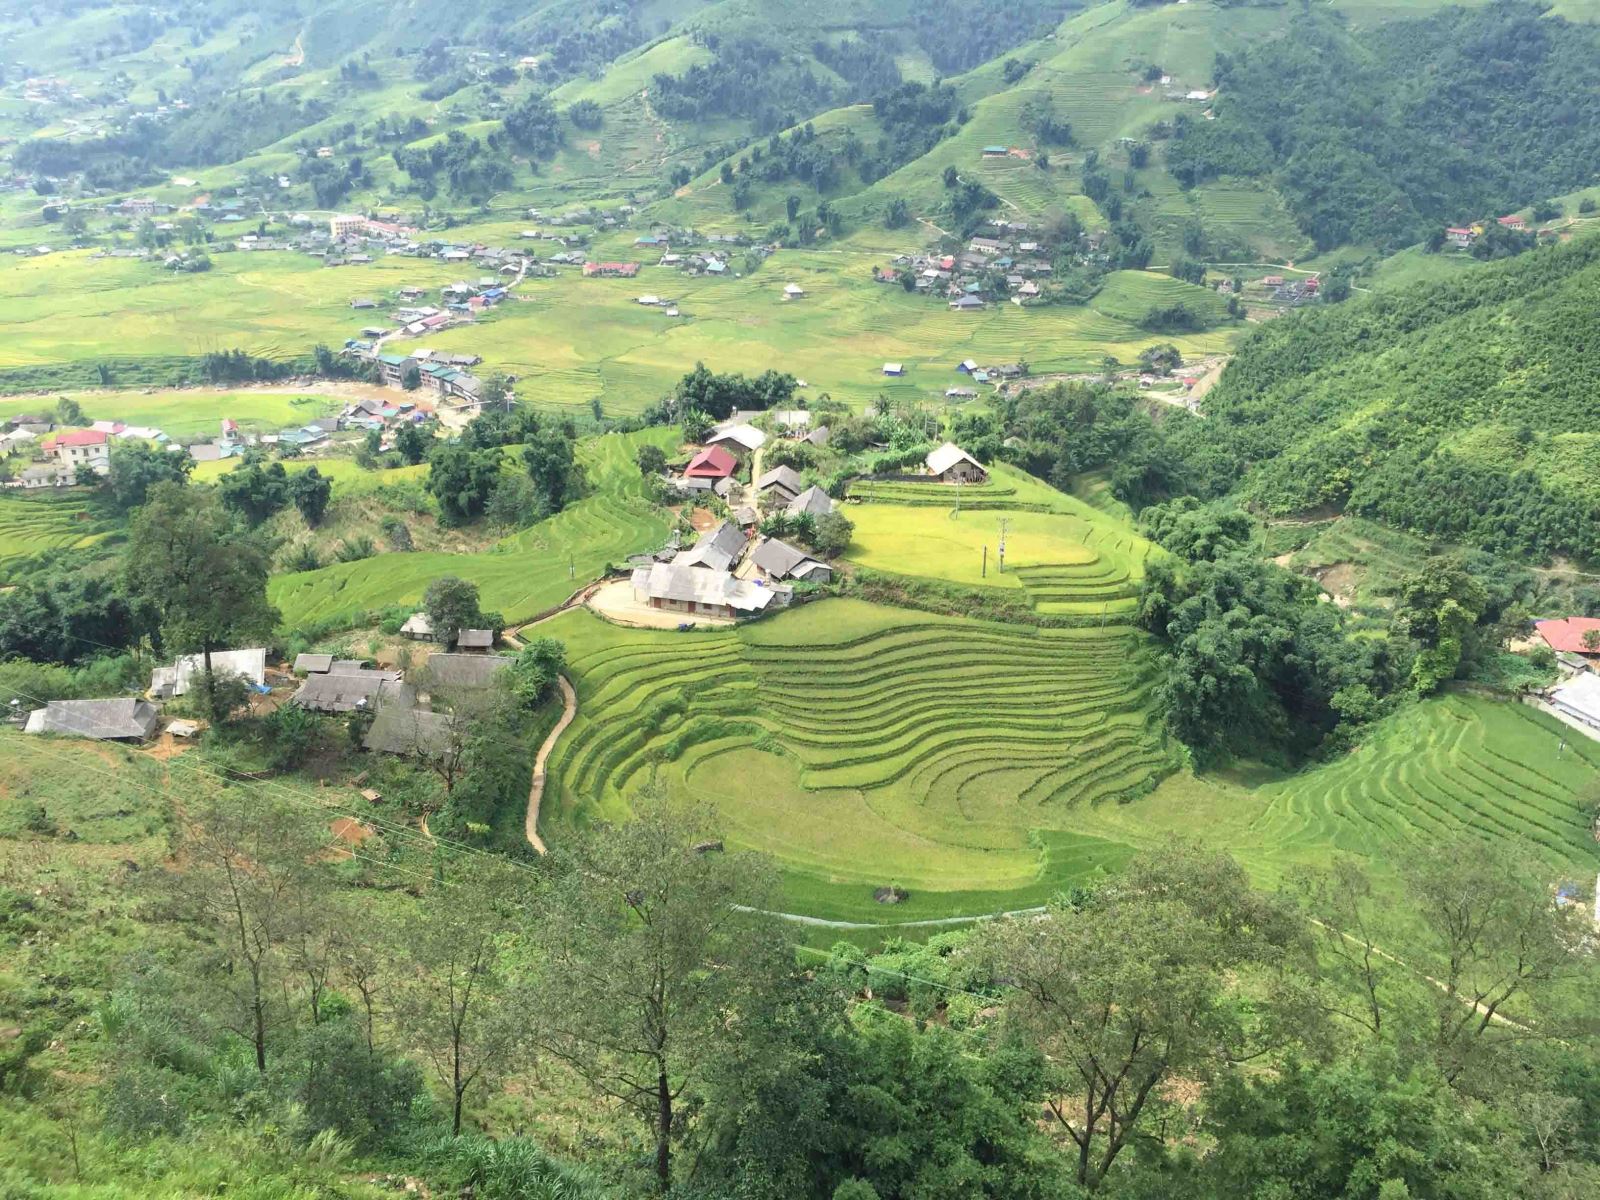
x: 569, y: 705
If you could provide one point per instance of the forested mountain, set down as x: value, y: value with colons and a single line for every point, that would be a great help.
x: 1384, y: 136
x: 1467, y: 410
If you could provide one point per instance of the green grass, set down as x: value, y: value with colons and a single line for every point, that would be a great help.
x: 1067, y: 556
x: 866, y: 745
x: 34, y: 523
x: 519, y: 576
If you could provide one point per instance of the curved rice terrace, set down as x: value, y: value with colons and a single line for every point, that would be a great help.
x: 32, y: 524
x: 1496, y: 769
x: 865, y: 745
x: 1069, y: 558
x: 521, y: 575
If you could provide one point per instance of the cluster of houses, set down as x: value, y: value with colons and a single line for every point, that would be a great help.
x: 730, y: 572
x: 1462, y: 237
x: 60, y: 456
x: 1005, y: 261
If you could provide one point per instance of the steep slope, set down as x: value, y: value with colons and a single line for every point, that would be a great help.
x: 1467, y: 409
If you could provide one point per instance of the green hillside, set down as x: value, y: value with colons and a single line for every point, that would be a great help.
x: 1465, y: 409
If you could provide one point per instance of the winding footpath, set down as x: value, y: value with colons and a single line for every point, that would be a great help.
x: 569, y: 705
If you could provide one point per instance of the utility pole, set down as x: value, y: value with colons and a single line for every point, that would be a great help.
x: 985, y: 574
x: 1002, y: 555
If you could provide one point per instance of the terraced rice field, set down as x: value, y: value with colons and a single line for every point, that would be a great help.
x: 1492, y: 769
x: 1069, y: 558
x: 521, y: 575
x: 865, y: 745
x: 32, y: 523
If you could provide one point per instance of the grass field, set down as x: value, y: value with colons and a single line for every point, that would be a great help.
x: 32, y: 523
x: 519, y: 576
x: 1067, y: 556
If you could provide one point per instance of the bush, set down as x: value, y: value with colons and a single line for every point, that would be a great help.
x: 355, y: 549
x: 398, y: 533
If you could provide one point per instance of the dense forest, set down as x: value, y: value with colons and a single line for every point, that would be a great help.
x: 1386, y: 135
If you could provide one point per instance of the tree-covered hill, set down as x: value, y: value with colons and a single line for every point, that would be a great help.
x: 1468, y: 409
x: 1384, y: 136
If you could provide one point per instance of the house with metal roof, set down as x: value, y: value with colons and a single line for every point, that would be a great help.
x: 782, y: 482
x: 738, y: 440
x: 180, y: 678
x: 777, y: 560
x: 705, y: 593
x: 121, y: 720
x: 813, y: 502
x: 951, y: 464
x: 716, y: 551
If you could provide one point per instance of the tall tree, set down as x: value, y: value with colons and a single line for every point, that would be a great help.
x: 454, y: 996
x: 199, y: 571
x: 1142, y: 982
x: 646, y: 962
x: 136, y: 467
x: 310, y: 491
x: 247, y: 875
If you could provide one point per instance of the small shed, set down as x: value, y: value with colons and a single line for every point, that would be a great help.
x: 419, y: 627
x: 951, y: 464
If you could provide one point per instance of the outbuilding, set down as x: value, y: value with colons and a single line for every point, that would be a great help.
x: 951, y: 464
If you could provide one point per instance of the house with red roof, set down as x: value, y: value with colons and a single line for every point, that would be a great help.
x: 711, y: 463
x: 81, y: 448
x: 620, y: 270
x: 1566, y: 635
x: 1512, y: 222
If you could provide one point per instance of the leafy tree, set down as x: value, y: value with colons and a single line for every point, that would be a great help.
x: 515, y: 504
x: 537, y: 667
x: 896, y: 213
x: 1139, y: 982
x: 646, y: 962
x: 244, y: 868
x: 204, y: 576
x: 70, y: 412
x: 452, y: 605
x: 462, y: 481
x: 255, y: 492
x: 411, y: 379
x: 1439, y: 606
x: 455, y: 994
x: 533, y: 125
x: 310, y: 492
x: 652, y: 460
x: 552, y: 465
x: 136, y: 467
x: 411, y: 443
x: 831, y: 534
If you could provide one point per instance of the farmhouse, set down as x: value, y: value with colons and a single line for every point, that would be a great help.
x: 894, y: 368
x: 80, y: 448
x: 738, y: 440
x: 1511, y: 222
x: 676, y: 588
x: 782, y: 482
x: 716, y: 551
x: 402, y: 728
x: 1460, y: 236
x: 967, y: 304
x: 614, y: 270
x: 813, y: 501
x: 1579, y: 698
x: 418, y: 626
x: 996, y: 151
x: 312, y: 664
x: 338, y: 692
x: 792, y: 291
x: 456, y: 672
x: 1571, y: 635
x: 49, y: 475
x: 180, y: 677
x: 474, y: 639
x: 777, y: 560
x: 819, y: 436
x: 710, y: 464
x: 125, y: 720
x: 952, y: 464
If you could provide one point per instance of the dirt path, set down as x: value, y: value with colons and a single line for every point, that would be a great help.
x: 569, y: 705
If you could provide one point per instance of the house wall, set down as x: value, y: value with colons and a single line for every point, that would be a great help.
x: 964, y: 472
